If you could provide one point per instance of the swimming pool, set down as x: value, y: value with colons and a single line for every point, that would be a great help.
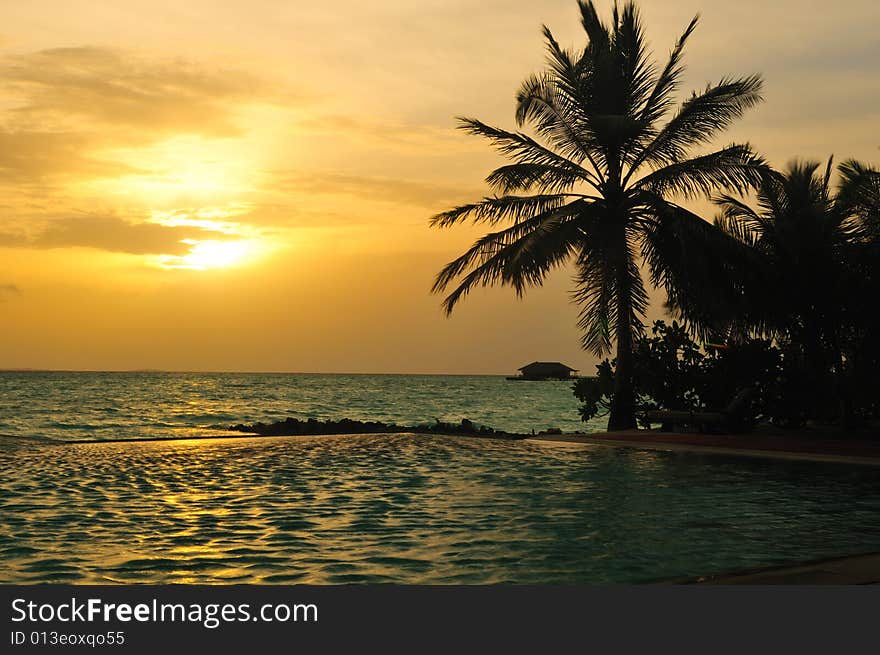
x: 415, y: 510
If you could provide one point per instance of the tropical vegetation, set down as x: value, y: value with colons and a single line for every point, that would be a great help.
x: 813, y: 277
x: 599, y: 182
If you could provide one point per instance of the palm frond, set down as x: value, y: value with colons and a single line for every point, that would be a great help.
x: 700, y: 119
x: 636, y: 70
x: 858, y: 193
x: 554, y: 115
x: 736, y: 212
x: 771, y: 194
x: 523, y: 177
x: 493, y: 210
x: 661, y: 97
x: 597, y: 32
x: 738, y: 229
x: 734, y: 167
x: 710, y: 277
x: 519, y: 256
x: 826, y: 179
x: 600, y: 286
x: 520, y: 147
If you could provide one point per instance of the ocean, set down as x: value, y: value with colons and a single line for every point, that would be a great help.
x: 128, y: 405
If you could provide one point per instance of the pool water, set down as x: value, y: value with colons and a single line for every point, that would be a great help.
x: 415, y: 510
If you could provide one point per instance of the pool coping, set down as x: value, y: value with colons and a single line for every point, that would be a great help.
x: 659, y: 444
x: 861, y: 569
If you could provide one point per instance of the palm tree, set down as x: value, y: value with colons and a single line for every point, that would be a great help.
x: 859, y: 189
x: 800, y: 232
x: 593, y: 186
x: 859, y: 192
x: 817, y: 262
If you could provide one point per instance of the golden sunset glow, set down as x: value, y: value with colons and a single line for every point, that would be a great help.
x: 269, y: 159
x: 204, y: 255
x: 188, y: 168
x: 208, y: 218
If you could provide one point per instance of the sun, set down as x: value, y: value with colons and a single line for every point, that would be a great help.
x: 233, y: 244
x: 209, y: 254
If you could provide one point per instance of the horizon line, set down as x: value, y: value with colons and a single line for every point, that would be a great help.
x: 157, y: 370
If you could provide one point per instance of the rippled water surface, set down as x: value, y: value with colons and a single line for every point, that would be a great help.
x: 412, y: 509
x: 123, y: 405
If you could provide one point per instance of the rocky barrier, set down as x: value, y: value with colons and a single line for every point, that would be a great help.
x: 292, y: 426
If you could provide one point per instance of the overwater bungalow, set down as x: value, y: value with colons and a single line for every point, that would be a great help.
x: 544, y: 371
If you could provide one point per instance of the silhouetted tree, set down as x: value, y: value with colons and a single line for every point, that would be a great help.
x: 593, y: 185
x: 817, y: 267
x: 860, y: 189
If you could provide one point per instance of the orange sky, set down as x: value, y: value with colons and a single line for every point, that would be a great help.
x: 247, y: 186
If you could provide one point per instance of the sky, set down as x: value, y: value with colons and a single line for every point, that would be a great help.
x: 246, y: 186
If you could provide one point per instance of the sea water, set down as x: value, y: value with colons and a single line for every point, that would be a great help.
x: 80, y: 406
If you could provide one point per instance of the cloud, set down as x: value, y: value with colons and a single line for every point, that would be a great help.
x: 8, y: 290
x: 33, y: 156
x: 114, y: 88
x: 112, y: 234
x: 63, y: 110
x: 406, y: 137
x: 417, y: 193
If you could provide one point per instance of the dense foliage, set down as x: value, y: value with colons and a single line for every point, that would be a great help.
x: 813, y: 279
x: 672, y: 372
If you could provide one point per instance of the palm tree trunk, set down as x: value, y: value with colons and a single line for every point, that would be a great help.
x: 843, y: 389
x: 622, y: 415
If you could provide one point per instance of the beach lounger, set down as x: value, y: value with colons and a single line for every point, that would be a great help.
x: 735, y: 417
